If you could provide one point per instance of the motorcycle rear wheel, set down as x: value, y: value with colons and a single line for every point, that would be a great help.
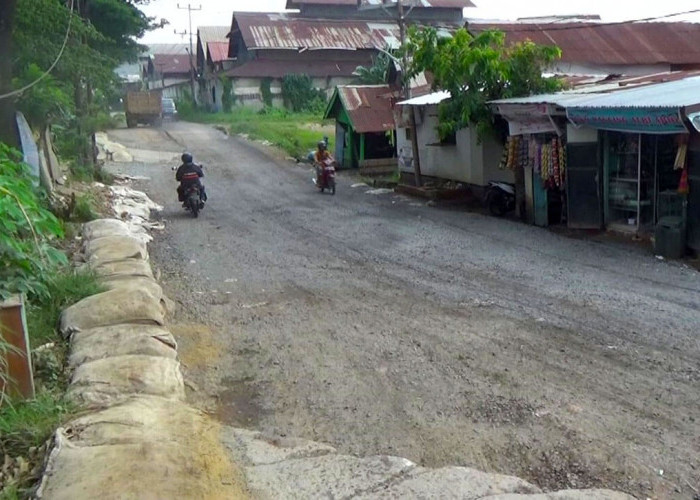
x: 496, y: 203
x: 193, y: 202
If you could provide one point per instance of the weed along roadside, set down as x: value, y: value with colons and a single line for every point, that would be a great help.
x: 296, y: 133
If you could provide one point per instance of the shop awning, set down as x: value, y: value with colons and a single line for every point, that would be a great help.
x: 656, y: 108
x: 654, y: 104
x: 637, y: 120
x: 527, y: 118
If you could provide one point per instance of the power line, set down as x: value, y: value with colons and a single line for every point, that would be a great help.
x: 53, y: 65
x: 546, y: 26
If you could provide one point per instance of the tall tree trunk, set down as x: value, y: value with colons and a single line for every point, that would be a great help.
x: 8, y: 126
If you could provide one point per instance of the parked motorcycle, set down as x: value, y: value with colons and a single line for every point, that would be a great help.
x: 325, y: 176
x: 500, y: 198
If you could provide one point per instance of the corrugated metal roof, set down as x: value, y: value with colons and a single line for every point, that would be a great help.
x: 167, y: 48
x: 207, y: 34
x: 259, y: 68
x: 171, y: 63
x: 673, y: 94
x: 424, y: 100
x: 443, y: 4
x: 288, y: 31
x: 450, y: 4
x: 218, y: 51
x: 605, y: 86
x: 368, y: 107
x: 625, y: 44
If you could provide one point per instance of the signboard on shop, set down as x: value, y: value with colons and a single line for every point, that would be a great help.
x: 638, y: 120
x: 527, y: 118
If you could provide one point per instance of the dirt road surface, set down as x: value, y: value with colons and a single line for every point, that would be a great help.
x: 380, y: 325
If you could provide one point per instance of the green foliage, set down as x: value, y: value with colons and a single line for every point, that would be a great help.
x: 265, y: 91
x: 377, y: 73
x: 477, y: 70
x: 65, y: 287
x: 300, y: 95
x: 76, y: 94
x: 185, y: 106
x: 295, y: 133
x: 26, y: 230
x: 30, y: 423
x: 85, y: 208
x: 45, y: 102
x: 228, y: 98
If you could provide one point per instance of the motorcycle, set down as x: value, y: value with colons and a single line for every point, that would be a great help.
x: 193, y: 201
x: 325, y: 176
x: 500, y: 198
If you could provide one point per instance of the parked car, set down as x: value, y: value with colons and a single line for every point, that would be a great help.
x: 169, y: 109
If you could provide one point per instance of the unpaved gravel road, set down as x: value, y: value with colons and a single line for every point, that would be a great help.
x: 383, y: 326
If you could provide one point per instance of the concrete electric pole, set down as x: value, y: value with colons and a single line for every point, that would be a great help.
x: 189, y: 10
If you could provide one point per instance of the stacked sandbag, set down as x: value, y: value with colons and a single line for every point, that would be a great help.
x: 136, y: 438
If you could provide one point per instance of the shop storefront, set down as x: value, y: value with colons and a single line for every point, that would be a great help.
x: 644, y: 155
x: 630, y: 158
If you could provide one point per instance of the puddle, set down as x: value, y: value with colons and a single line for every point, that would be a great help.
x: 239, y: 404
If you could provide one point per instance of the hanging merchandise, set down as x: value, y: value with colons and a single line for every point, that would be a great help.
x: 682, y: 141
x: 547, y: 157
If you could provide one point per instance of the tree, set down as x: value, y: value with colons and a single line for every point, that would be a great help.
x: 476, y: 70
x: 100, y: 35
x: 376, y: 74
x: 7, y: 105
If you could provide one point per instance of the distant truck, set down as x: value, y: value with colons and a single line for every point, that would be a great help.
x: 143, y: 107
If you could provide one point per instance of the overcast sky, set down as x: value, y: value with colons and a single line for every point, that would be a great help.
x: 218, y: 12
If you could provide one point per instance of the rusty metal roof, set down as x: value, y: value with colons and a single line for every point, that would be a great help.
x: 624, y: 44
x: 218, y: 51
x: 449, y: 4
x: 289, y: 31
x: 171, y: 64
x: 367, y: 106
x: 259, y: 68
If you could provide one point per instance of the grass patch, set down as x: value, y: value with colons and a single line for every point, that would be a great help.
x: 65, y: 288
x: 88, y: 173
x: 28, y: 424
x: 295, y: 133
x: 85, y: 208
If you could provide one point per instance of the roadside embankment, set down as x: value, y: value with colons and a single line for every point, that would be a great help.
x: 136, y: 436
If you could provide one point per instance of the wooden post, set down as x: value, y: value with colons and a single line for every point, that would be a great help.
x: 17, y: 361
x: 362, y: 147
x: 414, y: 145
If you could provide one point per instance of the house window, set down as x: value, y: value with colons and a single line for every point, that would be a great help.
x: 409, y: 134
x: 449, y: 140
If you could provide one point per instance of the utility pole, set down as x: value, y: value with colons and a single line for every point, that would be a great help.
x: 189, y: 9
x: 406, y: 91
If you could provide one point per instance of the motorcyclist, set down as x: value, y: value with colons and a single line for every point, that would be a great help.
x: 321, y: 156
x: 187, y: 174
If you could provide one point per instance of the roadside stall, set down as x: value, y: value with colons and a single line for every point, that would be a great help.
x: 536, y: 144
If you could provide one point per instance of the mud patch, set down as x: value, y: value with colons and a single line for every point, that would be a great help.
x: 198, y: 345
x: 239, y: 404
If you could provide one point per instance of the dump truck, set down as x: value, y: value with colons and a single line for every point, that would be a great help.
x: 144, y: 107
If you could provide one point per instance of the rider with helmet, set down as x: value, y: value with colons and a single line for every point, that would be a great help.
x: 187, y: 174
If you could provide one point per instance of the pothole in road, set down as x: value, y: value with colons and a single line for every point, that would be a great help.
x: 239, y: 404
